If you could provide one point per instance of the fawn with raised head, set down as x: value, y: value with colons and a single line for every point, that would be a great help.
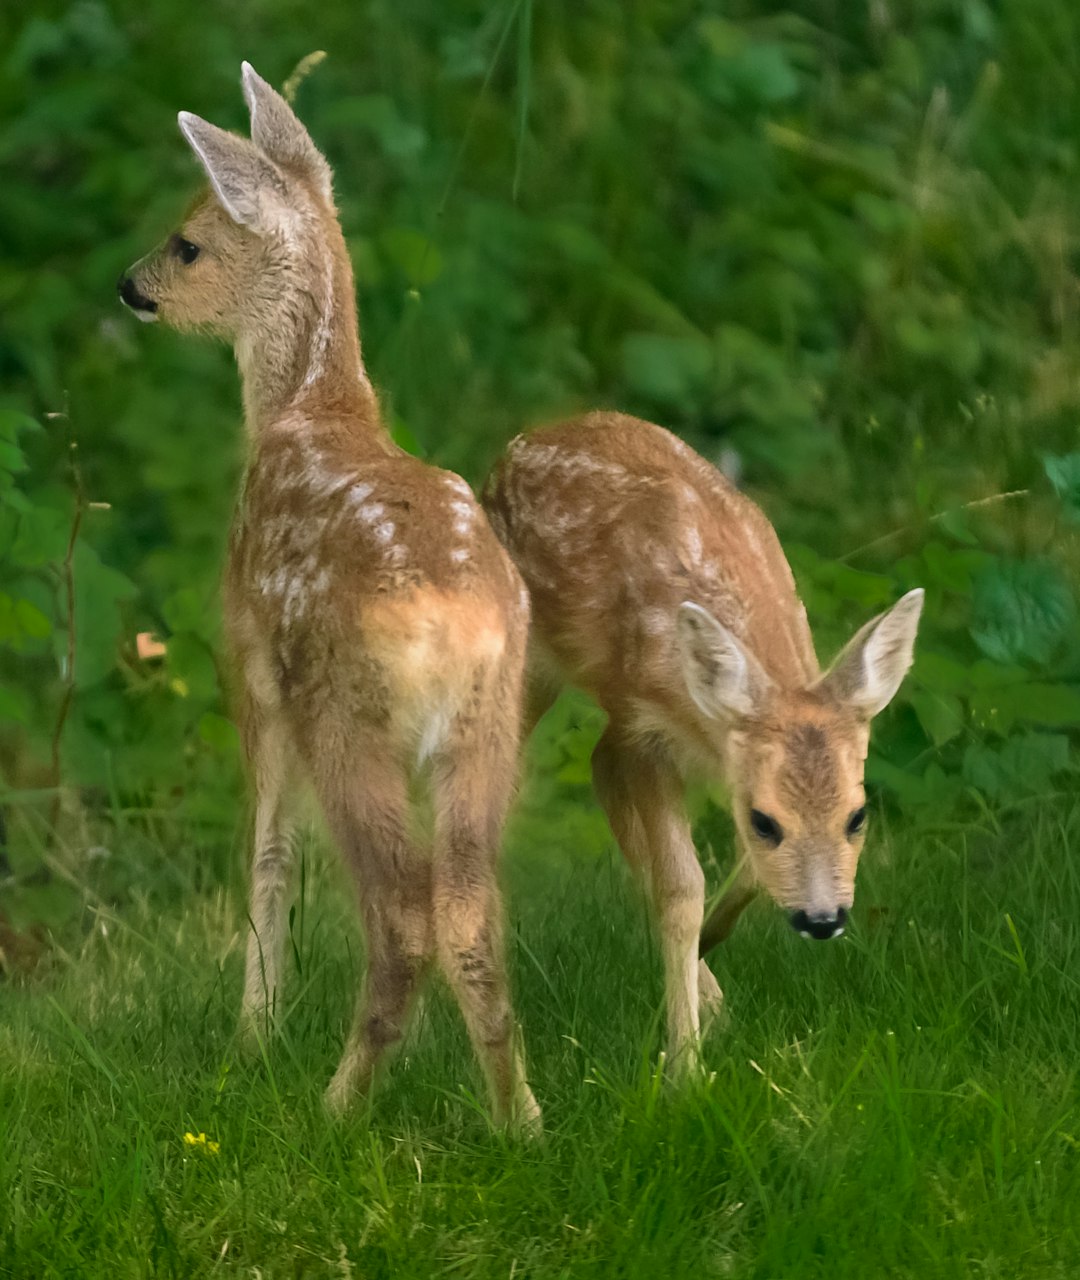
x: 378, y: 626
x: 663, y: 592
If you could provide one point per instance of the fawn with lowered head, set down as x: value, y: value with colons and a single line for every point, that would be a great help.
x: 378, y: 626
x: 663, y: 592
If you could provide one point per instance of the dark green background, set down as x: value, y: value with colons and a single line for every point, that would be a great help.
x: 832, y: 244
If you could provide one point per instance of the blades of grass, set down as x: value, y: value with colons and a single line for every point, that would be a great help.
x: 83, y: 1046
x: 524, y: 68
x: 466, y: 135
x: 539, y: 967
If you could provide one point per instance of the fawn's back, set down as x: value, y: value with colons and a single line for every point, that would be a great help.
x: 614, y: 523
x: 369, y: 582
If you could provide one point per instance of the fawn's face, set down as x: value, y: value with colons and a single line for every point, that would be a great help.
x: 799, y: 806
x: 251, y: 241
x: 202, y: 276
x: 794, y: 758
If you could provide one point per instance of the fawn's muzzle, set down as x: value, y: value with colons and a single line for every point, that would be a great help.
x: 819, y: 926
x: 125, y: 287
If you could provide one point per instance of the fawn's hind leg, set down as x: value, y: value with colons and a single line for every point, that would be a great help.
x: 473, y: 782
x: 269, y: 750
x: 370, y: 819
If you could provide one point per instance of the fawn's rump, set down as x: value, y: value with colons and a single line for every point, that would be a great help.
x: 444, y: 657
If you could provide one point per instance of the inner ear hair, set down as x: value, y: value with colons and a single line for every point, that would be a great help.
x: 276, y: 130
x: 249, y: 186
x: 723, y: 677
x: 871, y: 667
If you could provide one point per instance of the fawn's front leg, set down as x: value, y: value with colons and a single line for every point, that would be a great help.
x: 642, y: 795
x: 725, y: 915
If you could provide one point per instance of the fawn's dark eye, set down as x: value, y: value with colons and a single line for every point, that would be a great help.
x: 185, y: 250
x: 765, y: 828
x: 856, y: 822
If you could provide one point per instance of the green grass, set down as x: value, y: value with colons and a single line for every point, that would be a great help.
x: 900, y: 1103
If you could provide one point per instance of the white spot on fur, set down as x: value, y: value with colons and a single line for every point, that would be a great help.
x: 273, y: 584
x: 359, y: 493
x: 541, y: 457
x: 324, y: 483
x: 464, y: 516
x: 273, y: 533
x: 295, y: 601
x: 459, y: 486
x: 372, y: 512
x: 692, y: 545
x: 459, y: 555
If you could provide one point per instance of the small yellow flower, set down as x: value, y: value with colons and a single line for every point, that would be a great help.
x: 202, y: 1142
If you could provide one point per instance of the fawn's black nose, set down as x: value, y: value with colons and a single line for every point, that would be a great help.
x: 819, y: 926
x: 125, y: 287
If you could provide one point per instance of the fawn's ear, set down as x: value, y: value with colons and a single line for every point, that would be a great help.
x: 871, y: 667
x: 251, y: 188
x: 723, y: 676
x: 276, y: 130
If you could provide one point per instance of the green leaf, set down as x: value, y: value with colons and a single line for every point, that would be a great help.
x: 379, y: 115
x: 933, y: 791
x: 21, y: 621
x: 9, y: 627
x: 1025, y: 764
x: 993, y: 675
x: 673, y: 371
x: 940, y: 714
x: 11, y: 457
x: 417, y: 256
x: 954, y: 570
x: 12, y: 423
x: 1063, y: 472
x: 937, y: 672
x: 1022, y: 609
x: 42, y: 536
x: 99, y: 592
x: 14, y: 704
x: 188, y: 610
x: 763, y: 72
x: 219, y: 733
x: 32, y: 622
x: 191, y: 663
x: 17, y: 503
x: 1056, y: 706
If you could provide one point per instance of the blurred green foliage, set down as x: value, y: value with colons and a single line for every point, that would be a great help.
x: 834, y: 245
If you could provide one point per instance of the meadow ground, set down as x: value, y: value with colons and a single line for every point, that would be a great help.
x: 903, y: 1102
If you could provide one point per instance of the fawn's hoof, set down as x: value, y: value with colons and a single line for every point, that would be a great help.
x: 527, y: 1121
x: 340, y: 1097
x: 712, y: 1009
x: 254, y: 1029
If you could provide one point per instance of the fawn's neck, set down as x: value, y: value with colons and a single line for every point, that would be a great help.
x: 304, y: 352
